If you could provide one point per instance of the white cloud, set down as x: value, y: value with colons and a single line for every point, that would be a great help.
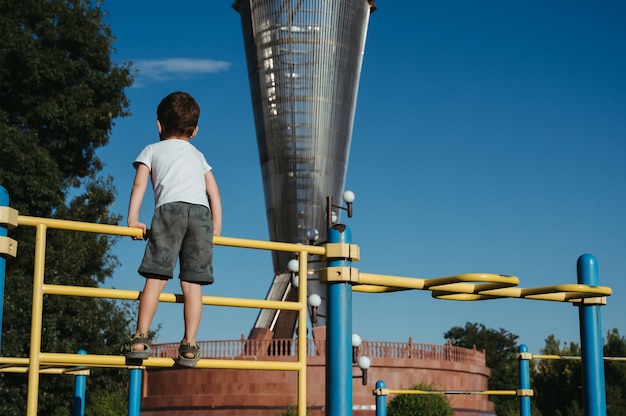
x: 160, y: 70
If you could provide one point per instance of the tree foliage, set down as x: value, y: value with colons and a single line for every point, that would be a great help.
x: 558, y: 383
x: 59, y: 94
x: 420, y: 404
x: 501, y: 349
x: 615, y: 374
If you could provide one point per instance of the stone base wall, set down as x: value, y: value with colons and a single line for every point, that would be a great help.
x: 225, y: 392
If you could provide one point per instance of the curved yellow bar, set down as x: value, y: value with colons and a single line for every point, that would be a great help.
x: 468, y: 283
x: 557, y: 293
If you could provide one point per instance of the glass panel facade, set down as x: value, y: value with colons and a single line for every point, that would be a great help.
x: 304, y: 62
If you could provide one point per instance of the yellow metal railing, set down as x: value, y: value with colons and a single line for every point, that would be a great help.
x: 517, y: 392
x: 60, y: 363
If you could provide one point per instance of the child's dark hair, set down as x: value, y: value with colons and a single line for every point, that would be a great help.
x: 178, y: 114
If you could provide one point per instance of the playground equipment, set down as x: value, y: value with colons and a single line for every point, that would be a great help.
x: 340, y: 277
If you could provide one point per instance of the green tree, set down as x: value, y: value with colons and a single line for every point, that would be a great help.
x: 557, y: 383
x: 615, y: 374
x: 500, y: 347
x: 420, y: 404
x: 59, y: 94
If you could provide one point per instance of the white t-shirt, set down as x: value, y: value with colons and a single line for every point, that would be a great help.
x: 177, y: 169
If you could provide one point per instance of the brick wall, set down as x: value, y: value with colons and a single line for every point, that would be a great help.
x: 227, y: 392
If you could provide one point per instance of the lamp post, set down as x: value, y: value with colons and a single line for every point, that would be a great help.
x: 364, y: 363
x: 348, y: 198
x: 312, y: 235
x: 294, y: 266
x: 314, y: 301
x: 356, y: 343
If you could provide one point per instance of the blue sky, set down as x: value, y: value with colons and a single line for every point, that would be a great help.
x: 489, y: 137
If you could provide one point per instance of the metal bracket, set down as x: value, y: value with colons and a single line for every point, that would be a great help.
x: 380, y: 392
x: 343, y: 251
x: 599, y: 300
x: 525, y: 392
x: 8, y: 247
x: 8, y: 217
x: 339, y: 274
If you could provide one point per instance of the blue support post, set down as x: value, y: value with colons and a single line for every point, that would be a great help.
x: 339, y: 333
x: 524, y: 379
x: 4, y: 202
x: 381, y: 400
x: 80, y: 390
x: 134, y: 392
x: 594, y: 397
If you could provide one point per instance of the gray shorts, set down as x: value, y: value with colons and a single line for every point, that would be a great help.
x: 180, y: 231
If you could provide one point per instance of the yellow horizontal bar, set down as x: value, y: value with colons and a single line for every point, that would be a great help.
x: 54, y: 371
x: 91, y: 292
x: 570, y: 357
x: 440, y: 392
x: 66, y: 290
x: 376, y: 289
x: 136, y: 232
x: 554, y: 357
x: 120, y: 361
x: 387, y: 281
x: 20, y: 365
x: 79, y: 226
x: 269, y: 245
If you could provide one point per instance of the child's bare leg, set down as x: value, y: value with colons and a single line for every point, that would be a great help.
x: 148, y: 303
x: 192, y: 298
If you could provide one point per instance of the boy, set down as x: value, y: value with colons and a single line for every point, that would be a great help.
x: 183, y: 225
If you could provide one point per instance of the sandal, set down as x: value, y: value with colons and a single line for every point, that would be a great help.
x: 129, y: 351
x: 183, y: 350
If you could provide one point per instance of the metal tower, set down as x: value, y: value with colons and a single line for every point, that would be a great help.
x: 304, y: 63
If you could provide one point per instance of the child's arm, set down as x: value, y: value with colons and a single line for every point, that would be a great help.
x: 136, y: 197
x: 215, y: 202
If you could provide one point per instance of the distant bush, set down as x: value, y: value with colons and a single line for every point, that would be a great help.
x: 420, y: 404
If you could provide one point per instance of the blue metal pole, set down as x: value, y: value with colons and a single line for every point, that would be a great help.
x: 381, y: 400
x: 4, y: 202
x: 134, y: 392
x: 594, y: 397
x: 524, y: 380
x: 339, y: 334
x: 80, y: 389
